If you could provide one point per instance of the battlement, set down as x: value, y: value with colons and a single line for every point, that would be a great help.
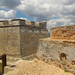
x: 17, y: 22
x: 3, y: 23
x: 23, y: 22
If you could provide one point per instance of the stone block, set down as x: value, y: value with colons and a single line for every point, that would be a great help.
x: 28, y: 23
x: 4, y: 23
x: 37, y: 24
x: 43, y: 24
x: 17, y: 22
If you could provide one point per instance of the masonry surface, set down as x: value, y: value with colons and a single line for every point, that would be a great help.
x: 59, y: 47
x: 20, y: 38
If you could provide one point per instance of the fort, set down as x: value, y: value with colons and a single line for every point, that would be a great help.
x: 22, y: 38
x: 19, y: 38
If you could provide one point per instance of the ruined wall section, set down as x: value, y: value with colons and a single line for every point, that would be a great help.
x: 63, y: 32
x: 30, y: 39
x: 9, y: 41
x: 59, y: 49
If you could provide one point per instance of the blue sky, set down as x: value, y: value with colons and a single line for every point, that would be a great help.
x: 19, y: 14
x: 56, y: 13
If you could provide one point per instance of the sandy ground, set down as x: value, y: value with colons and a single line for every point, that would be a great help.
x: 36, y: 67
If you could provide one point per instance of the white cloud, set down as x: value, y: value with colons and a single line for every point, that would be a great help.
x: 7, y: 14
x: 68, y: 2
x: 39, y: 9
x: 46, y: 9
x: 43, y: 10
x: 59, y: 22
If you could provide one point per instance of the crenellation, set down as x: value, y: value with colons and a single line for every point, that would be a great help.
x: 37, y: 24
x: 4, y: 23
x: 29, y: 24
x: 32, y: 23
x: 43, y: 24
x: 17, y: 22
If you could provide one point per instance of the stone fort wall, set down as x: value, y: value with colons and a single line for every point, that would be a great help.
x: 9, y: 40
x: 59, y: 49
x: 20, y: 38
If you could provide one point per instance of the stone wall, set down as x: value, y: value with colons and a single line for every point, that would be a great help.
x: 50, y: 49
x: 9, y: 41
x: 29, y: 40
x: 63, y: 32
x: 59, y: 48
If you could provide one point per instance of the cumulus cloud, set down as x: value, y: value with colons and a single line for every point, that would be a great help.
x: 59, y: 22
x: 7, y: 14
x: 40, y: 10
x: 68, y: 2
x: 44, y: 10
x: 9, y: 4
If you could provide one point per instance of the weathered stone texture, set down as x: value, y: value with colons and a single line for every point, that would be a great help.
x: 61, y: 51
x: 42, y: 24
x: 19, y: 40
x: 29, y: 41
x: 17, y: 22
x: 60, y: 47
x: 37, y: 24
x: 52, y: 48
x: 3, y: 23
x: 63, y: 32
x: 9, y: 40
x: 28, y: 22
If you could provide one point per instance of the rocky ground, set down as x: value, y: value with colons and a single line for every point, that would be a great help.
x: 36, y: 67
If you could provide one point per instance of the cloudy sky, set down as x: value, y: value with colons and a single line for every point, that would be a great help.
x: 55, y: 12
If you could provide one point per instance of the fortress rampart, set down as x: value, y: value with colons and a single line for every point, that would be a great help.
x: 20, y: 38
x: 59, y: 48
x: 23, y: 22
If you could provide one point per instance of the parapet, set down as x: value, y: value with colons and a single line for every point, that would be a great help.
x: 30, y: 23
x: 41, y: 25
x: 17, y: 22
x: 4, y: 22
x: 63, y: 32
